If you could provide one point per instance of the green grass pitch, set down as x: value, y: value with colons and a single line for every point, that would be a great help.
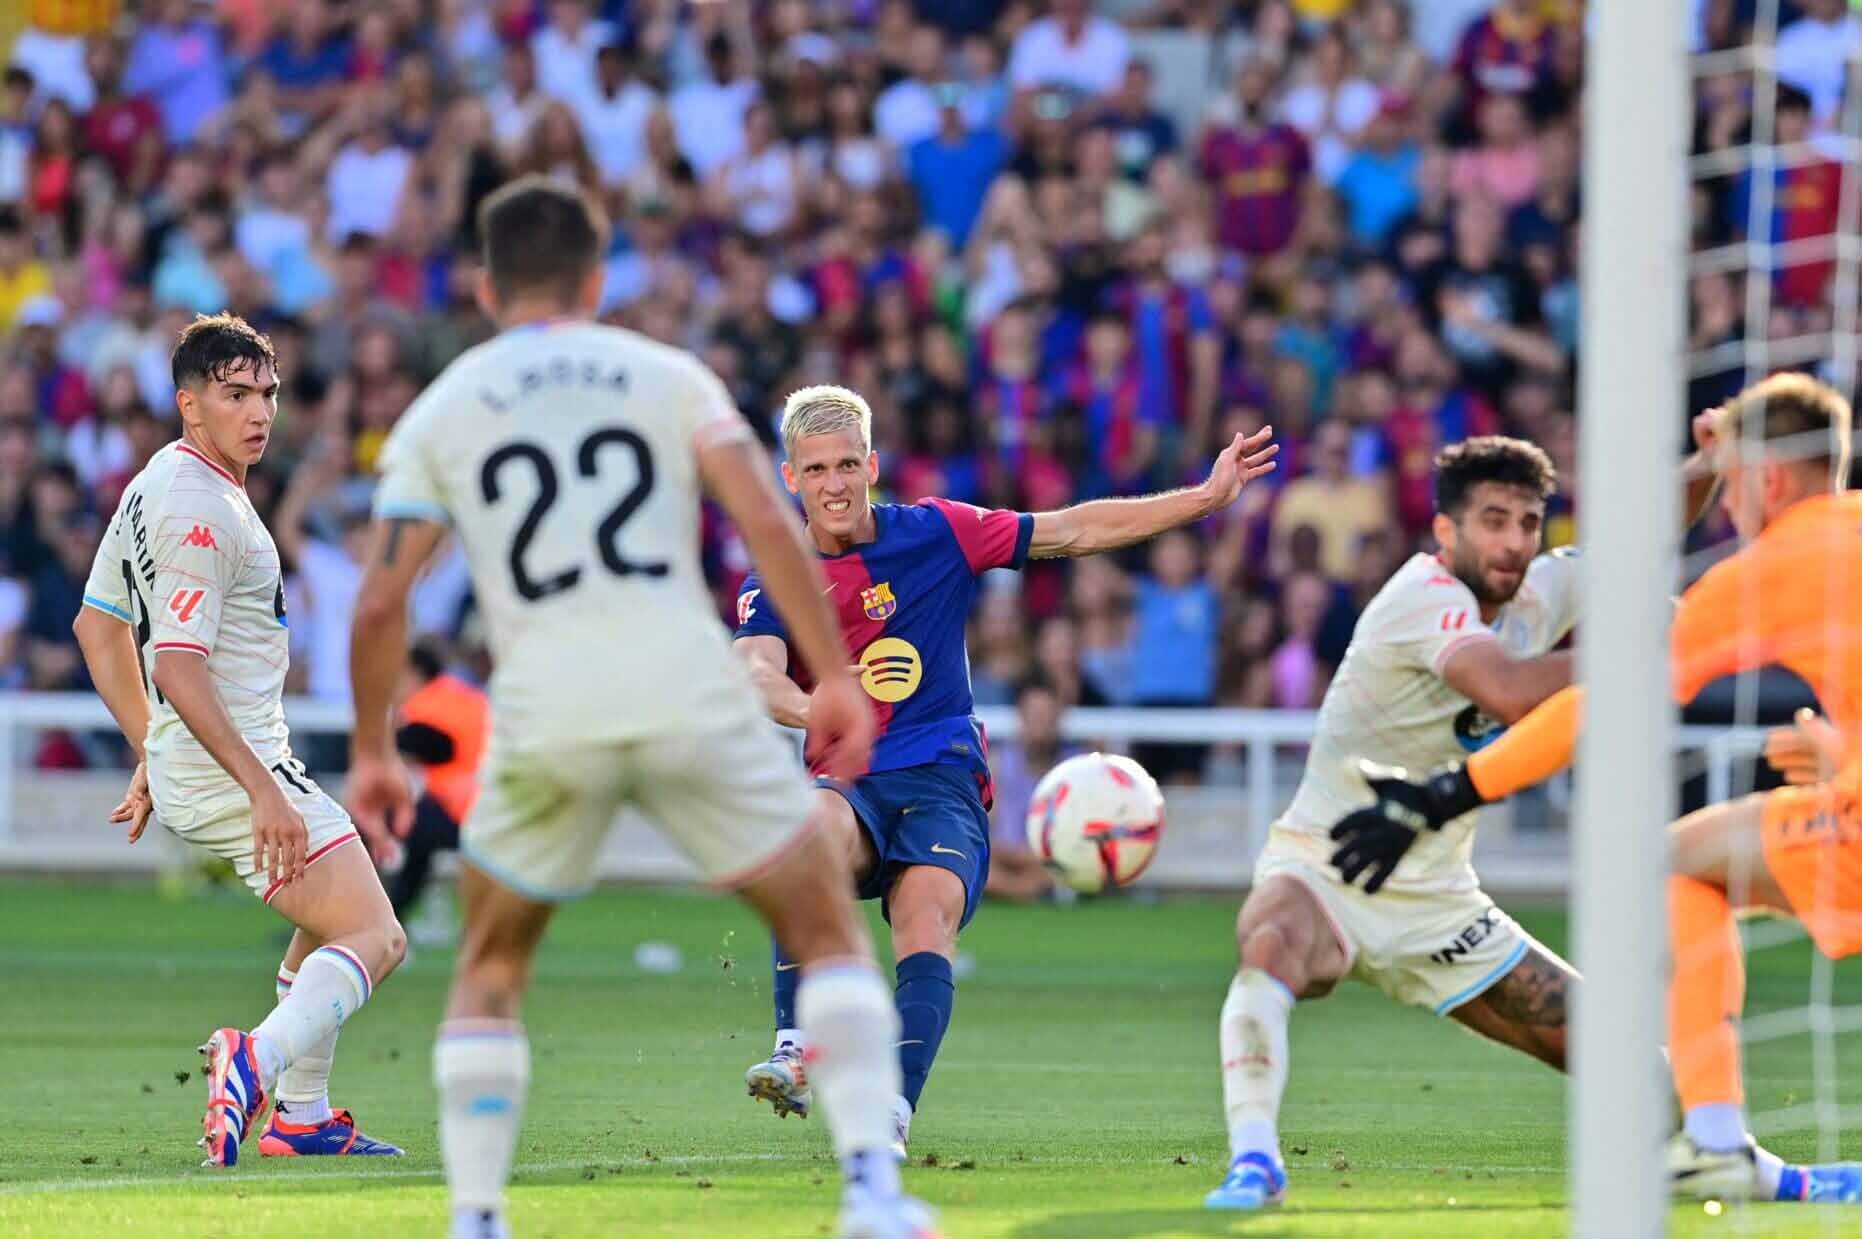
x: 1076, y: 1097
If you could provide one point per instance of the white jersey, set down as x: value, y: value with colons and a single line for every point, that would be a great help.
x: 188, y: 563
x: 1389, y: 703
x: 565, y: 455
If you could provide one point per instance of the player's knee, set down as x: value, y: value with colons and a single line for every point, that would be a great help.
x: 1272, y: 949
x: 926, y: 907
x: 394, y: 946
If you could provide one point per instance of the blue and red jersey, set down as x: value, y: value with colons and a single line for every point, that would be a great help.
x: 903, y: 600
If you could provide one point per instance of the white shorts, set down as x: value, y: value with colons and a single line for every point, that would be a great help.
x: 1431, y: 949
x: 220, y: 820
x: 734, y: 801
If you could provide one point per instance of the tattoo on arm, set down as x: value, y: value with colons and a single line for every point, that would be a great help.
x: 1534, y: 993
x: 396, y: 527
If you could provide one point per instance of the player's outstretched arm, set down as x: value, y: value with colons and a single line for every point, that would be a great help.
x: 377, y: 790
x: 767, y: 659
x: 736, y: 474
x: 1108, y: 524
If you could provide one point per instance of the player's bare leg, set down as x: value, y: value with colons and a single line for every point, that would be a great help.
x: 847, y: 1019
x: 780, y: 1079
x: 1526, y: 1008
x: 338, y: 903
x: 926, y: 905
x: 1289, y: 950
x: 1718, y: 868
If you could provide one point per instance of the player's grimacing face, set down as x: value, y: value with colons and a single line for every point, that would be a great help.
x: 235, y: 412
x: 831, y: 473
x: 1491, y: 544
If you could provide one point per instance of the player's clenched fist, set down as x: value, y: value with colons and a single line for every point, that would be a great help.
x: 279, y: 837
x: 840, y: 728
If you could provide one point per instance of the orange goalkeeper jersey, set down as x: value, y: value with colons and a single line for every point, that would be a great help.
x: 1792, y: 596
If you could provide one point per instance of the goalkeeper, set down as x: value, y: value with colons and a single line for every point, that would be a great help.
x: 1791, y: 596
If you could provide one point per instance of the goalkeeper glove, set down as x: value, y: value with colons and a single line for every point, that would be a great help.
x: 1375, y: 839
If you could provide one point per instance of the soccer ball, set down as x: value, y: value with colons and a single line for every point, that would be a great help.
x: 1095, y: 821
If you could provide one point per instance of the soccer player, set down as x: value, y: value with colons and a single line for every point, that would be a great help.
x: 915, y: 831
x: 569, y: 457
x: 1791, y: 596
x: 185, y: 605
x: 1454, y: 647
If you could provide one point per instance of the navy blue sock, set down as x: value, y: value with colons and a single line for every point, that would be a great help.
x: 787, y: 978
x: 925, y: 995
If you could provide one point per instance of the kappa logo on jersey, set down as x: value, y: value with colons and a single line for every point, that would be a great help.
x: 1455, y: 620
x: 202, y: 537
x: 184, y: 603
x: 878, y: 602
x: 890, y: 670
x: 746, y: 606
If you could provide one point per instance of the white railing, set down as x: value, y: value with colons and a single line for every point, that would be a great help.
x: 54, y: 819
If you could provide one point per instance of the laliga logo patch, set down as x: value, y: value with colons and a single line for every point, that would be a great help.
x: 890, y: 669
x: 878, y: 602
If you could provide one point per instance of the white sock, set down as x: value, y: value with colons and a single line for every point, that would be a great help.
x: 1719, y: 1127
x: 902, y: 1114
x: 1254, y: 1060
x: 1771, y: 1171
x: 330, y: 986
x: 789, y: 1036
x: 852, y: 1029
x: 482, y: 1069
x: 303, y: 1091
x: 479, y: 1224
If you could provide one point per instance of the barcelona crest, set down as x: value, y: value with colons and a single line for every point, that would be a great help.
x: 878, y: 602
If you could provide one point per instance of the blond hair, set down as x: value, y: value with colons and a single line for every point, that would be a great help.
x: 822, y: 410
x: 1813, y: 418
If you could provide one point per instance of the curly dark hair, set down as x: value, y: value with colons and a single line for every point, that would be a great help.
x: 214, y: 345
x: 1460, y: 467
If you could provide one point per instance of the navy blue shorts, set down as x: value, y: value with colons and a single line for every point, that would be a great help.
x: 922, y: 815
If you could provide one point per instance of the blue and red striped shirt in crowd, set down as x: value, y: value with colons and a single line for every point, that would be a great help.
x: 903, y: 600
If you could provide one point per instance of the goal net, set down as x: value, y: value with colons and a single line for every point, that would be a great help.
x: 1722, y: 190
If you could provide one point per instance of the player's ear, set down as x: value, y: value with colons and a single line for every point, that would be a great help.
x: 486, y: 295
x: 872, y: 468
x: 186, y: 405
x: 588, y: 296
x: 788, y: 479
x: 1444, y: 529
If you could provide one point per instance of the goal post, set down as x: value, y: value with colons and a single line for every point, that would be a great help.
x: 1631, y: 391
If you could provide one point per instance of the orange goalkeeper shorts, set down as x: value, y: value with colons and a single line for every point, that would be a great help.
x: 1813, y: 847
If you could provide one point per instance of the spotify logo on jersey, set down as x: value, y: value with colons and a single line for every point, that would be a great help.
x: 890, y: 669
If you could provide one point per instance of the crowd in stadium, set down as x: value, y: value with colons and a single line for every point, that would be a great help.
x: 1066, y: 249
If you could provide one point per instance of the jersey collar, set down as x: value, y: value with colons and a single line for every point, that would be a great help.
x: 181, y: 446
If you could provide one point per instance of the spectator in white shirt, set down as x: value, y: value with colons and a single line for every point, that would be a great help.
x: 1070, y: 47
x: 515, y: 102
x: 1812, y: 52
x: 1330, y: 106
x: 565, y: 51
x: 760, y: 188
x: 614, y: 116
x: 366, y: 178
x: 906, y: 111
x: 708, y: 112
x: 56, y: 62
